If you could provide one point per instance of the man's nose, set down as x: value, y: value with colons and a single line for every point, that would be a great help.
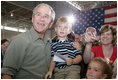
x: 42, y: 18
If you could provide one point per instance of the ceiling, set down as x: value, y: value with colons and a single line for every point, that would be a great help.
x: 87, y: 5
x: 22, y: 10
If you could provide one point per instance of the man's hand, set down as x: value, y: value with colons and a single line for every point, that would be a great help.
x: 48, y: 75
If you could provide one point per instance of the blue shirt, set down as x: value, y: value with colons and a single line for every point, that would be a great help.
x: 64, y: 48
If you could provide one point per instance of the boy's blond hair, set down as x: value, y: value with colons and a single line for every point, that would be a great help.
x: 63, y: 20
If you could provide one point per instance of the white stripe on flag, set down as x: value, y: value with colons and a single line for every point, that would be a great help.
x: 110, y: 19
x: 109, y: 11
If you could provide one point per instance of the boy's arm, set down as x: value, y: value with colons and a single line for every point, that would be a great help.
x: 52, y: 66
x: 77, y: 60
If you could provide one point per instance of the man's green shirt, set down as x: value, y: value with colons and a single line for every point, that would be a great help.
x: 28, y: 56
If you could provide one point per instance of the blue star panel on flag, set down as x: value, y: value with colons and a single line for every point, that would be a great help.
x: 92, y: 18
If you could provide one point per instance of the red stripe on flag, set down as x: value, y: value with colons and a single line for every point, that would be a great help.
x: 112, y: 23
x: 110, y: 7
x: 110, y: 15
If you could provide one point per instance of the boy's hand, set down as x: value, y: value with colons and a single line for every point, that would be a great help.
x: 48, y: 75
x: 69, y: 61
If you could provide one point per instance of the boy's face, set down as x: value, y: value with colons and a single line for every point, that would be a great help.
x: 95, y: 71
x: 63, y: 30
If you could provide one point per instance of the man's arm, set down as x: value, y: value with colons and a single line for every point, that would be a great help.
x: 14, y: 57
x: 52, y: 66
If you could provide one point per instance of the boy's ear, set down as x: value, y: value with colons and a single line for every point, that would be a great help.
x: 104, y: 76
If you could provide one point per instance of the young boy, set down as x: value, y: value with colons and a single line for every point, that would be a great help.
x: 66, y: 66
x: 98, y: 68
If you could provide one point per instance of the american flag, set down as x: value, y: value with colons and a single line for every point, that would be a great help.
x: 95, y: 18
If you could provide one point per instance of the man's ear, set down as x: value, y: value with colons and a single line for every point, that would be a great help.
x: 32, y: 19
x: 104, y: 76
x: 51, y: 23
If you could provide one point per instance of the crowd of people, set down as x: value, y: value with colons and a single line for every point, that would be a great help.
x: 35, y: 55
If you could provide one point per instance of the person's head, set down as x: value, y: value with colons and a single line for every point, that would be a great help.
x: 71, y: 36
x: 77, y: 37
x: 108, y: 34
x: 74, y: 37
x: 4, y: 43
x: 99, y: 69
x: 63, y: 27
x: 43, y: 17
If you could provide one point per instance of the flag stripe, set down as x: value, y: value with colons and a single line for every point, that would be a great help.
x: 110, y: 7
x: 111, y: 15
x: 114, y: 10
x: 112, y: 19
x: 112, y: 23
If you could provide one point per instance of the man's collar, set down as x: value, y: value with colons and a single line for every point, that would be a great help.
x: 35, y: 35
